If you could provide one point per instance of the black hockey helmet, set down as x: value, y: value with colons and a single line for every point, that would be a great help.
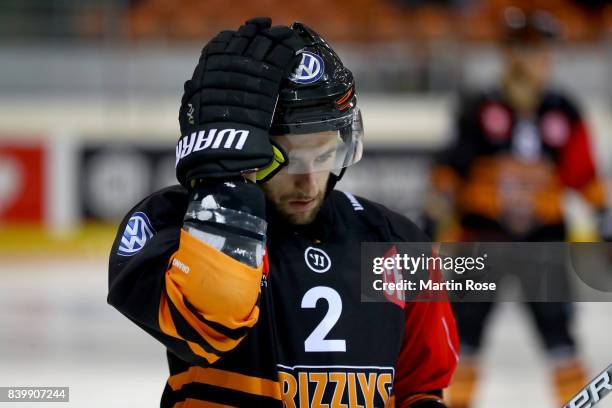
x: 318, y: 101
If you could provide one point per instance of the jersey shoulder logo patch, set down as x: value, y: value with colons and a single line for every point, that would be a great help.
x: 138, y: 231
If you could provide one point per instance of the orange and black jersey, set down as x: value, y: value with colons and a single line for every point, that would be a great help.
x: 300, y: 337
x: 508, y: 171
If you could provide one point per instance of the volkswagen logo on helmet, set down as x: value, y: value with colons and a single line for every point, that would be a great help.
x: 311, y: 68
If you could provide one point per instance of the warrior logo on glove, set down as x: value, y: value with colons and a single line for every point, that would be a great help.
x: 197, y: 141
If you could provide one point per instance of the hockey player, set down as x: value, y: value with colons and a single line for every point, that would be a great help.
x: 517, y: 148
x: 284, y: 328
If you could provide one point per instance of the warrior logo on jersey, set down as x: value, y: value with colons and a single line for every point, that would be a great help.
x: 137, y: 231
x: 311, y: 68
x: 317, y: 260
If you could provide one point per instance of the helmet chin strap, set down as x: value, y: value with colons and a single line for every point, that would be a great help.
x: 333, y: 179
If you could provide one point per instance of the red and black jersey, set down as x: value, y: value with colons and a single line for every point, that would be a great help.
x: 509, y: 171
x: 307, y: 339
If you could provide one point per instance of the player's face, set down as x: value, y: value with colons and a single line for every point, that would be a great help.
x: 530, y: 64
x: 298, y: 191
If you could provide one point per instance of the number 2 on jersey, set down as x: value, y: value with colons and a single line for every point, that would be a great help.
x: 317, y: 341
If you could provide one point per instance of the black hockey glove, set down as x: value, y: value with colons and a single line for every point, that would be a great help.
x: 228, y: 104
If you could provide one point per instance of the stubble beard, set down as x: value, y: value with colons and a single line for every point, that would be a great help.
x: 300, y: 218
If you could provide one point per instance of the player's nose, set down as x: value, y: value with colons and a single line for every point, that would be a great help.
x: 306, y: 182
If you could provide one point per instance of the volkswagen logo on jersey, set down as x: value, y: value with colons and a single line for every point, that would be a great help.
x: 137, y: 231
x: 311, y: 68
x: 317, y: 260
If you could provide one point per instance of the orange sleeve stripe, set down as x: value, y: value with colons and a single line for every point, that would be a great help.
x: 226, y: 379
x: 217, y: 340
x: 167, y: 326
x: 222, y: 289
x: 199, y: 351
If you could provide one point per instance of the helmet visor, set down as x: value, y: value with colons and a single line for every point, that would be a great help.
x: 326, y: 150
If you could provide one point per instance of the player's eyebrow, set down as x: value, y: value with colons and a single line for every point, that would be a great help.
x: 328, y: 151
x: 313, y: 152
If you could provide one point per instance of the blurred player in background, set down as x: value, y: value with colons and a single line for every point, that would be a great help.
x: 517, y: 147
x: 271, y: 317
